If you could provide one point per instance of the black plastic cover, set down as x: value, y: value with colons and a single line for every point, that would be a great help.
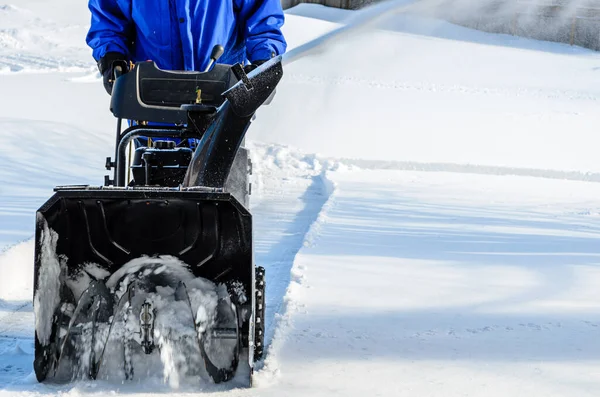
x: 167, y: 167
x: 148, y: 93
x: 211, y: 232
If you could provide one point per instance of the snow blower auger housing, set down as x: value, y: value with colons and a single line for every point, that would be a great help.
x: 154, y: 270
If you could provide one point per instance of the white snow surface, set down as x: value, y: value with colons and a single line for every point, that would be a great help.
x: 426, y: 91
x: 425, y: 203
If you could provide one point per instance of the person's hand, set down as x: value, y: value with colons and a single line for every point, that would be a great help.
x: 254, y: 65
x: 107, y: 65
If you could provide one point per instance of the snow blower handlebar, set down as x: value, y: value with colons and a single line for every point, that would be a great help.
x: 118, y: 72
x: 216, y: 107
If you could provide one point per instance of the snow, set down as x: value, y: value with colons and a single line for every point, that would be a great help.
x: 430, y: 92
x: 19, y: 286
x: 448, y: 284
x: 424, y: 203
x: 40, y: 37
x: 180, y: 310
x: 96, y: 271
x: 47, y: 298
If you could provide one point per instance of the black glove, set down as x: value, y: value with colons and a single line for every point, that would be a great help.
x: 254, y: 65
x: 107, y: 65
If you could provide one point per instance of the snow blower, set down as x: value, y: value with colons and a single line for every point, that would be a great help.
x: 155, y: 268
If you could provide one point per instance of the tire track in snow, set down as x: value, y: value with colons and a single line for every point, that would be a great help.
x: 280, y: 324
x: 290, y: 191
x: 283, y: 218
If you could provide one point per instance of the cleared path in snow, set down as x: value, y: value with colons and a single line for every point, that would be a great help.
x: 445, y: 284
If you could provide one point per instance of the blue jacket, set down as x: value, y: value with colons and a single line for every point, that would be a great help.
x: 180, y: 34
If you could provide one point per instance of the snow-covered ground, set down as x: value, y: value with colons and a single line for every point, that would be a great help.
x: 441, y: 284
x: 425, y: 204
x: 427, y: 91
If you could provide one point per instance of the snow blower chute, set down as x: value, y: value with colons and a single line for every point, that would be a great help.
x: 155, y: 268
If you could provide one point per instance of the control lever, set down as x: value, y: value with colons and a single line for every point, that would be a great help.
x: 118, y: 72
x: 216, y: 53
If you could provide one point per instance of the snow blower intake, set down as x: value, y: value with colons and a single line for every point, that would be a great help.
x: 153, y: 273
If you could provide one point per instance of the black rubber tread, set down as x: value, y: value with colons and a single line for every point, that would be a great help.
x: 259, y: 320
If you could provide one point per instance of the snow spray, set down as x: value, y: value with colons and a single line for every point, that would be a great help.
x: 362, y: 20
x: 371, y: 16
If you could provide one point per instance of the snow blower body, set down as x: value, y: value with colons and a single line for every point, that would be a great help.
x: 154, y: 270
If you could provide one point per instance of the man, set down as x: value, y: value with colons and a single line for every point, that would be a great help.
x: 180, y: 34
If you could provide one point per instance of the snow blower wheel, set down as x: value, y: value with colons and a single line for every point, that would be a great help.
x: 259, y: 328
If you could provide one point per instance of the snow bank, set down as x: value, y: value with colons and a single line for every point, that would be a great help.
x: 319, y: 12
x: 16, y: 272
x: 42, y: 38
x: 423, y: 91
x: 47, y: 142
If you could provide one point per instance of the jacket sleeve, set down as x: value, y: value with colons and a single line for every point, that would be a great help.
x: 261, y: 22
x: 110, y: 29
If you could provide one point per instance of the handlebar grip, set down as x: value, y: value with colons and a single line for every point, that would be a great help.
x: 118, y: 72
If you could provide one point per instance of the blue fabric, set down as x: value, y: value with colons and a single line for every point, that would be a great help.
x: 180, y: 34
